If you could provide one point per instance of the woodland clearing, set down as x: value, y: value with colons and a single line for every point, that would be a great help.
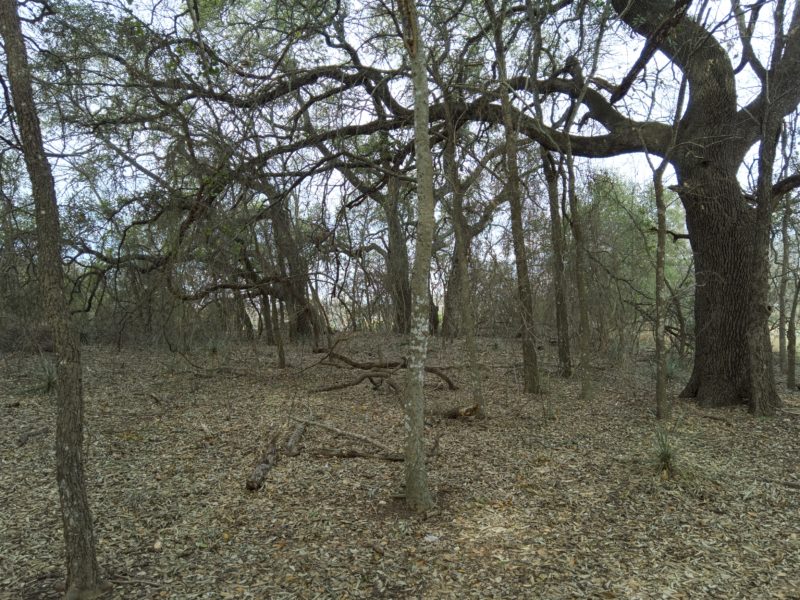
x: 551, y: 497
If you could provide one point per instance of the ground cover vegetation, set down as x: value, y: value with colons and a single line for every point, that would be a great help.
x: 399, y: 299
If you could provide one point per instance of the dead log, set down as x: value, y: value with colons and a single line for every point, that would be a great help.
x: 350, y: 434
x: 390, y: 456
x: 380, y: 375
x: 290, y: 447
x: 461, y: 412
x: 23, y: 439
x: 353, y: 453
x: 382, y: 365
x: 268, y: 460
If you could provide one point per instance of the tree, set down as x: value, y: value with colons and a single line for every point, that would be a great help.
x: 514, y: 194
x: 726, y: 227
x: 83, y: 577
x: 418, y: 496
x: 729, y: 236
x: 557, y: 268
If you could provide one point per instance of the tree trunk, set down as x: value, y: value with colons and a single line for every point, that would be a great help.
x: 452, y: 325
x: 303, y: 321
x: 277, y: 330
x: 784, y: 279
x: 763, y: 396
x: 418, y: 496
x: 83, y: 577
x: 559, y: 285
x: 514, y: 195
x: 731, y: 326
x: 661, y: 357
x: 791, y: 341
x: 462, y: 303
x: 397, y: 267
x: 576, y: 225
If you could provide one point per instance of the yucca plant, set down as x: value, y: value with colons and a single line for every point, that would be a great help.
x: 47, y: 375
x: 665, y: 452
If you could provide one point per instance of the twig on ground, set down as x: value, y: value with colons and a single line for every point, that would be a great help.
x: 350, y: 434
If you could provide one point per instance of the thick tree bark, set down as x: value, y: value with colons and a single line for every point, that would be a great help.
x: 730, y: 313
x: 559, y: 284
x: 83, y: 577
x: 730, y: 238
x: 418, y: 496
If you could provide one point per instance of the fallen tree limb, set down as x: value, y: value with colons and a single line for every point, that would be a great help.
x: 353, y: 453
x: 23, y: 439
x: 382, y: 365
x: 382, y: 375
x: 290, y: 447
x: 461, y: 412
x: 350, y: 434
x: 390, y: 456
x: 268, y: 460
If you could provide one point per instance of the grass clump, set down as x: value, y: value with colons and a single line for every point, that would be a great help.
x: 665, y: 452
x: 47, y: 376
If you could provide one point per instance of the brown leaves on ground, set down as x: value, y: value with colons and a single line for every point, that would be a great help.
x: 548, y: 498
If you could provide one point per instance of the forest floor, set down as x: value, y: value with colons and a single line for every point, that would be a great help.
x: 551, y: 497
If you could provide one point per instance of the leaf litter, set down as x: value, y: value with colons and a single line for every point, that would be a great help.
x: 550, y: 497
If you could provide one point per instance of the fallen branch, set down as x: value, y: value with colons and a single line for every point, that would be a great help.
x: 23, y: 439
x: 268, y: 460
x: 382, y: 365
x: 290, y: 447
x: 461, y: 412
x: 353, y: 453
x: 382, y: 375
x: 390, y: 456
x: 350, y: 434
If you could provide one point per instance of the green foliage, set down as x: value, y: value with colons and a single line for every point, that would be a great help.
x: 665, y: 452
x: 620, y: 223
x: 47, y: 376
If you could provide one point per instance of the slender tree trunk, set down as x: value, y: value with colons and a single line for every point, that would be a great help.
x: 787, y: 212
x: 661, y: 357
x: 83, y: 577
x: 763, y: 397
x: 463, y: 302
x: 418, y: 496
x: 277, y: 331
x: 559, y: 285
x: 266, y: 318
x: 791, y: 341
x: 514, y: 195
x: 397, y: 267
x: 243, y: 318
x: 580, y: 281
x: 452, y: 325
